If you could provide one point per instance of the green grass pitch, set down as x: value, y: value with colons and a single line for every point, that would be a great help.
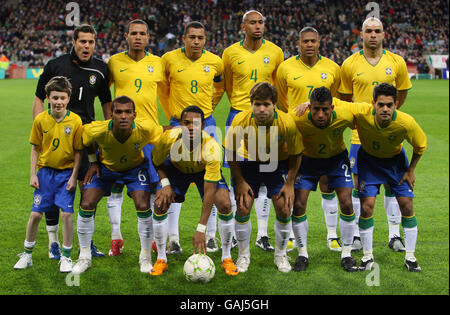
x: 427, y: 101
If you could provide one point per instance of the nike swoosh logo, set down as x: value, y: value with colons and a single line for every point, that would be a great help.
x: 45, y: 131
x: 298, y: 77
x: 239, y: 62
x: 122, y: 70
x: 358, y: 74
x: 348, y: 180
x: 180, y: 70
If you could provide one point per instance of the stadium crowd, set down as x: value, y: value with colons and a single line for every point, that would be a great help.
x: 33, y: 32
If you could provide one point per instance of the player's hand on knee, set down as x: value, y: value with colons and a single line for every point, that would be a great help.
x: 410, y: 178
x: 287, y: 191
x: 244, y: 195
x: 164, y: 197
x: 94, y: 169
x: 34, y: 181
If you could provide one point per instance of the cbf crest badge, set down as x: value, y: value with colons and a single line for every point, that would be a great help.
x: 37, y: 200
x: 206, y: 69
x: 67, y: 130
x: 266, y: 60
x: 92, y: 79
x: 323, y: 75
x: 150, y: 69
x: 137, y: 146
x: 388, y: 71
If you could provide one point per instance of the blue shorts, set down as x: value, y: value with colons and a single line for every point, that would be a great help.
x: 180, y: 181
x: 353, y: 157
x: 135, y: 179
x: 233, y: 112
x: 336, y: 168
x: 152, y: 173
x: 373, y: 171
x: 210, y: 126
x: 52, y: 191
x: 274, y: 181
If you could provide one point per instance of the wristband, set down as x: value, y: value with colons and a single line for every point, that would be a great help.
x: 201, y: 228
x: 92, y: 158
x: 165, y: 182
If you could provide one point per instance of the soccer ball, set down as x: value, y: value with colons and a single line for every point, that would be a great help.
x: 199, y: 268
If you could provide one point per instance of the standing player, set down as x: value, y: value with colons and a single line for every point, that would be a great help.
x: 56, y: 156
x: 120, y: 142
x: 382, y: 159
x: 360, y: 73
x: 186, y: 155
x: 89, y: 78
x: 263, y: 146
x: 246, y: 63
x: 190, y: 74
x: 322, y: 129
x: 136, y: 74
x: 296, y: 78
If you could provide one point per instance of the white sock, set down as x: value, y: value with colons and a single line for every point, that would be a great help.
x: 330, y: 210
x: 347, y: 227
x: 145, y: 231
x: 211, y: 225
x: 410, y: 238
x: 394, y: 215
x: 357, y: 208
x: 52, y: 231
x: 300, y: 227
x: 367, y: 239
x: 174, y: 216
x: 233, y: 205
x: 114, y: 204
x: 262, y: 209
x: 226, y: 228
x: 85, y: 230
x: 282, y: 232
x: 243, y: 232
x: 160, y: 230
x: 29, y: 245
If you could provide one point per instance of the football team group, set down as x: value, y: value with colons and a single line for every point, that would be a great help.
x: 284, y: 136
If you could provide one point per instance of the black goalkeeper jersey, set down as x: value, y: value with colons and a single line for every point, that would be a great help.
x: 89, y: 79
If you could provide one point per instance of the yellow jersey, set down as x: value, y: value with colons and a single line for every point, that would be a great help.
x: 260, y: 143
x: 243, y: 69
x: 206, y: 156
x: 327, y: 142
x: 187, y: 82
x: 137, y: 80
x: 295, y: 80
x: 359, y: 77
x: 58, y: 141
x: 117, y: 156
x: 388, y: 141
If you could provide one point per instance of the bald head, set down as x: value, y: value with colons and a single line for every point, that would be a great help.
x: 251, y: 12
x: 372, y: 21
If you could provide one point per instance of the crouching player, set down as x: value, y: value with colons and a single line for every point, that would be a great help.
x: 120, y: 141
x: 56, y: 154
x: 186, y: 155
x: 382, y: 159
x: 322, y: 130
